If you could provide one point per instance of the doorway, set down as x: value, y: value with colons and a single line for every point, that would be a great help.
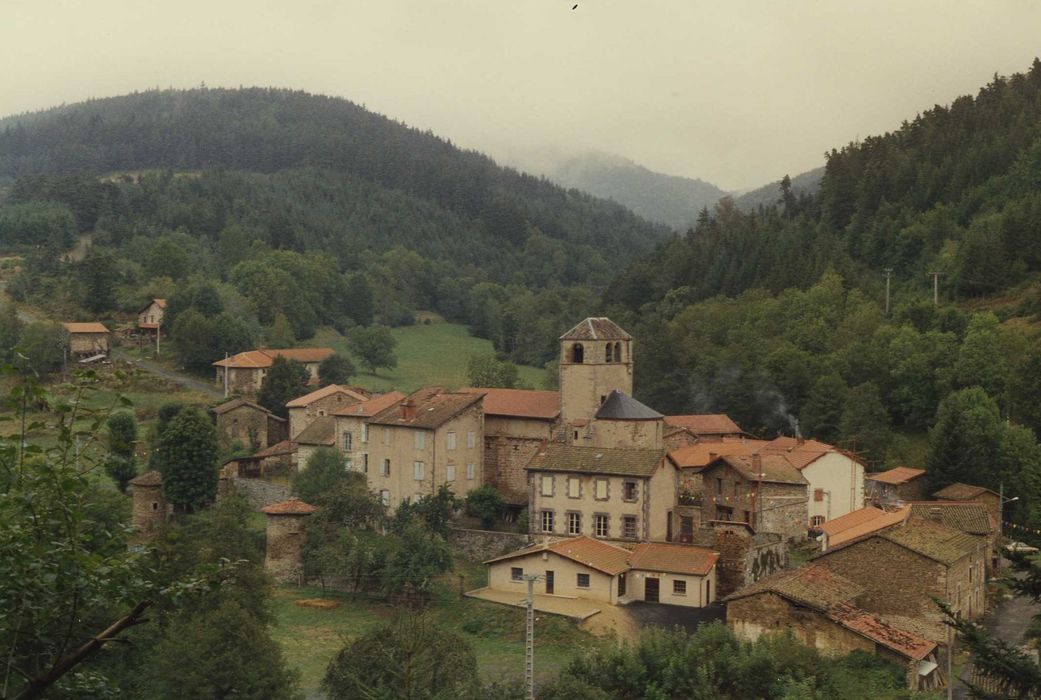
x: 650, y: 590
x: 621, y: 585
x: 549, y: 583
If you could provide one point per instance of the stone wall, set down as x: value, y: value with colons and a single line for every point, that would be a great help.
x: 479, y: 545
x: 744, y: 557
x: 504, y: 462
x: 285, y: 536
x: 259, y: 493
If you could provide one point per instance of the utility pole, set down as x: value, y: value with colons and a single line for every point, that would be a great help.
x: 936, y: 287
x: 529, y: 637
x: 226, y: 368
x: 158, y: 330
x: 889, y: 273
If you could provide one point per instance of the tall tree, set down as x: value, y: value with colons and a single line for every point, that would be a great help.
x: 821, y: 414
x: 122, y: 440
x: 374, y: 346
x: 864, y: 426
x: 490, y: 372
x: 965, y: 440
x: 285, y: 381
x: 335, y: 369
x: 100, y: 276
x: 188, y: 461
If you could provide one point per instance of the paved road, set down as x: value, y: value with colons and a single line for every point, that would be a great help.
x: 157, y: 369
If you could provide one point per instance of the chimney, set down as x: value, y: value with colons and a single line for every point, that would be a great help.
x: 408, y: 409
x: 936, y: 514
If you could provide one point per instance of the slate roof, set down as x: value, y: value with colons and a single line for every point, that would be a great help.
x: 771, y: 468
x: 596, y: 554
x: 619, y: 406
x: 294, y: 506
x: 973, y: 518
x: 596, y: 328
x: 518, y: 403
x: 860, y: 523
x: 433, y: 407
x: 673, y: 558
x: 321, y: 432
x: 896, y: 476
x: 961, y: 492
x: 354, y: 393
x: 878, y: 630
x: 706, y: 424
x: 371, y: 407
x: 152, y: 478
x: 221, y: 409
x: 596, y: 460
x: 91, y: 327
x: 263, y: 358
x: 813, y: 585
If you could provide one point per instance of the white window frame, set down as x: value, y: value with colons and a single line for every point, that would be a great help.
x: 574, y: 523
x: 450, y: 473
x: 450, y: 440
x: 419, y: 470
x: 471, y: 440
x: 547, y: 517
x: 420, y: 437
x: 471, y: 471
x: 365, y: 432
x: 601, y: 519
x: 348, y: 441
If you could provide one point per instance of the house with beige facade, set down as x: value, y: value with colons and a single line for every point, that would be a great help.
x: 150, y: 318
x: 352, y: 432
x: 244, y: 373
x: 305, y: 409
x: 86, y: 339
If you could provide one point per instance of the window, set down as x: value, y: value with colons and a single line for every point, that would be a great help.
x: 547, y: 521
x: 679, y: 588
x: 450, y: 440
x: 470, y: 471
x: 578, y: 353
x: 421, y: 440
x: 419, y: 470
x: 686, y: 525
x: 385, y: 469
x: 601, y: 489
x: 450, y: 472
x: 546, y: 485
x: 617, y: 352
x: 628, y: 490
x: 516, y: 573
x: 155, y: 505
x: 365, y: 463
x: 719, y: 485
x: 321, y: 412
x: 386, y: 436
x: 629, y: 527
x: 385, y: 497
x: 817, y: 520
x: 471, y: 439
x: 365, y: 432
x: 583, y: 581
x: 601, y: 525
x: 574, y: 487
x: 748, y: 517
x: 234, y: 427
x: 818, y: 495
x: 574, y: 523
x: 608, y: 353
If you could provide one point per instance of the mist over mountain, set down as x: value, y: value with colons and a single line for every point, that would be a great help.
x: 768, y: 195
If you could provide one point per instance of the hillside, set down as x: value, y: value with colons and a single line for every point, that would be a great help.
x: 669, y: 199
x: 806, y: 183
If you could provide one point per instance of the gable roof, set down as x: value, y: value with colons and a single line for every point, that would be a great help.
x: 596, y: 460
x: 90, y: 327
x: 972, y: 517
x: 931, y: 540
x: 353, y: 393
x: 897, y: 475
x: 430, y: 408
x: 518, y: 403
x: 813, y: 585
x: 596, y: 328
x: 619, y: 406
x: 702, y: 454
x: 961, y: 492
x: 881, y: 632
x: 771, y: 468
x: 706, y: 423
x: 222, y: 408
x: 370, y: 407
x: 802, y: 453
x: 265, y: 357
x: 862, y: 522
x: 673, y: 558
x: 161, y: 303
x: 596, y: 554
x: 321, y: 432
x: 285, y: 447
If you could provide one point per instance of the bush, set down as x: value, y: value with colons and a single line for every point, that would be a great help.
x: 485, y: 503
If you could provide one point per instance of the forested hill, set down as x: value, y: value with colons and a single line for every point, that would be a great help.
x: 767, y: 195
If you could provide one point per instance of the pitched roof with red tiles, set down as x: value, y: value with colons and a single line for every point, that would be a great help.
x: 860, y: 523
x: 353, y: 393
x: 896, y: 476
x: 265, y: 357
x: 370, y: 407
x: 759, y: 467
x: 90, y: 327
x: 961, y: 492
x: 701, y: 454
x: 813, y: 585
x: 285, y: 447
x: 706, y: 424
x: 673, y: 558
x: 428, y: 409
x: 294, y: 506
x: 596, y: 554
x: 518, y: 403
x: 877, y: 630
x: 801, y: 453
x: 596, y: 328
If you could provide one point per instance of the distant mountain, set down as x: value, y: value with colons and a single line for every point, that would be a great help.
x: 669, y: 199
x: 809, y: 182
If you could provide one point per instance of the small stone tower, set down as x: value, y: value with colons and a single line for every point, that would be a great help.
x: 596, y: 358
x: 149, y: 507
x: 285, y: 537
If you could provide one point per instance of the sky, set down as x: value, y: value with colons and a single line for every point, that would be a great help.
x: 734, y: 92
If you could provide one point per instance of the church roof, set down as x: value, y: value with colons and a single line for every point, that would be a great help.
x: 601, y: 328
x: 619, y: 406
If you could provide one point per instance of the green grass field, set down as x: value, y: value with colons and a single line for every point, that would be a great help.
x: 432, y: 354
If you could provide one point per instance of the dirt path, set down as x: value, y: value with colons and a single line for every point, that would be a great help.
x: 157, y: 369
x: 79, y: 250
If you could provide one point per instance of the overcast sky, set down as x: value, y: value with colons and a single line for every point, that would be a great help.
x: 736, y: 93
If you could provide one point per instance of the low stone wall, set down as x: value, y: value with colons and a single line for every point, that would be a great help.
x: 259, y: 493
x: 478, y: 545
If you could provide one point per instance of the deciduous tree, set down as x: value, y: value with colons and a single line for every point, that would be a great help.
x: 285, y: 381
x: 374, y: 346
x: 188, y: 460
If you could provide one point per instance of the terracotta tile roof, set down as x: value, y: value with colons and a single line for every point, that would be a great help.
x: 971, y: 517
x: 294, y: 506
x: 897, y: 475
x: 596, y: 554
x: 861, y: 523
x: 518, y: 403
x: 801, y: 453
x: 161, y: 303
x: 772, y: 468
x: 152, y: 478
x: 221, y: 409
x: 148, y: 326
x: 261, y: 359
x: 706, y: 424
x: 427, y: 409
x: 619, y: 406
x: 596, y: 460
x: 813, y: 585
x: 594, y: 328
x: 370, y: 407
x: 91, y: 327
x: 673, y: 558
x: 877, y: 630
x: 701, y: 454
x: 351, y: 393
x: 321, y: 432
x: 285, y: 447
x: 961, y: 492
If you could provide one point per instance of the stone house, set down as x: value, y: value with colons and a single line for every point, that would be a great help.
x: 249, y: 424
x: 745, y: 556
x: 835, y: 477
x: 902, y: 569
x: 584, y: 567
x: 764, y: 491
x: 279, y: 459
x: 320, y: 433
x: 895, y: 486
x: 150, y: 318
x: 819, y: 608
x: 516, y: 423
x: 970, y: 517
x: 607, y: 493
x: 352, y: 431
x: 285, y: 538
x: 860, y: 523
x: 244, y: 373
x: 623, y: 422
x: 303, y: 410
x: 149, y: 509
x: 973, y: 494
x: 707, y: 427
x: 690, y: 461
x: 86, y: 339
x: 428, y: 439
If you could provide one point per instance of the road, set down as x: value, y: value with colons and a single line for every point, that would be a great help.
x: 157, y: 369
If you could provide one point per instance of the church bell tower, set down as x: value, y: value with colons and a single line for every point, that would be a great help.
x: 596, y: 358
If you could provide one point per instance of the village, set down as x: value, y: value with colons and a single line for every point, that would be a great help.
x: 624, y: 504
